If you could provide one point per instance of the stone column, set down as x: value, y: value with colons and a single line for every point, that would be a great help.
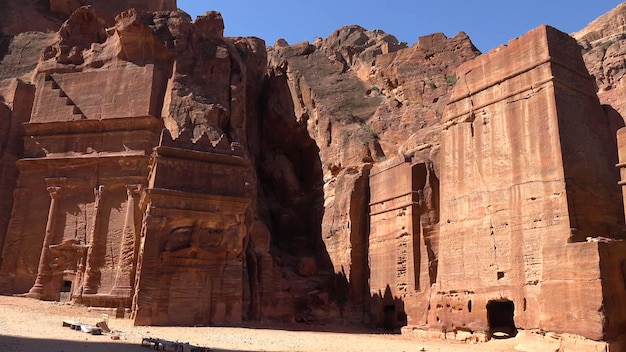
x: 621, y: 151
x: 123, y: 285
x: 43, y: 270
x: 147, y: 286
x: 92, y: 271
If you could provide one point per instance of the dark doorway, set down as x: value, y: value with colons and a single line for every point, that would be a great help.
x: 65, y: 291
x: 389, y: 317
x: 500, y: 318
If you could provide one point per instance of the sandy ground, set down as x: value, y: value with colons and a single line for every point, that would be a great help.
x: 31, y: 325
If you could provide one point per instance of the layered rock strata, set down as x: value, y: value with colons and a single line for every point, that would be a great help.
x: 603, y: 44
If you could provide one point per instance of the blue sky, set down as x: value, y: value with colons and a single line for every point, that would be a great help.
x: 489, y: 23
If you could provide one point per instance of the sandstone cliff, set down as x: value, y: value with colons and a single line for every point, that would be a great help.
x: 26, y: 27
x: 606, y: 27
x: 197, y: 179
x: 603, y: 44
x: 350, y: 100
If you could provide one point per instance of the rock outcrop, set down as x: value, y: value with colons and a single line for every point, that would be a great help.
x: 369, y: 115
x: 606, y: 27
x: 27, y: 27
x: 603, y: 44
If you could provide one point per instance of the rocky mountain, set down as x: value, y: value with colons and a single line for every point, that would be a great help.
x: 603, y: 43
x: 606, y: 27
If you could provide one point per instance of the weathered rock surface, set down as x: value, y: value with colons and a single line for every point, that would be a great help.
x: 27, y: 27
x: 47, y: 15
x: 604, y: 46
x: 193, y: 179
x: 518, y: 202
x: 131, y: 208
x: 605, y: 27
x: 367, y: 116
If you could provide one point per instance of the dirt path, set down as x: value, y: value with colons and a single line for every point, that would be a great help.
x: 31, y: 325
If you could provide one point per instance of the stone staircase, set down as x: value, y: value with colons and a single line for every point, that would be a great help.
x: 59, y: 102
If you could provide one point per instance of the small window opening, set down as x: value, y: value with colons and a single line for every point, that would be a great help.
x: 67, y: 286
x: 469, y: 306
x: 500, y: 318
x: 500, y: 275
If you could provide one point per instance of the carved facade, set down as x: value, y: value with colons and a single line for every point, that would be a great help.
x: 190, y: 267
x: 530, y: 210
x: 125, y: 216
x: 401, y: 197
x: 180, y: 176
x: 536, y: 196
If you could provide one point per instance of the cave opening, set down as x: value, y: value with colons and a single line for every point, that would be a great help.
x: 500, y: 315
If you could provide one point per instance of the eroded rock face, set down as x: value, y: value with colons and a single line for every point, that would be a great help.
x: 350, y: 94
x: 405, y: 253
x: 109, y: 9
x: 605, y: 27
x: 603, y: 44
x: 196, y: 179
x: 27, y: 27
x: 200, y: 84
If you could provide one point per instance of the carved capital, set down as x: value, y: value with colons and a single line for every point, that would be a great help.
x: 153, y: 222
x: 55, y: 192
x: 98, y: 190
x: 132, y: 190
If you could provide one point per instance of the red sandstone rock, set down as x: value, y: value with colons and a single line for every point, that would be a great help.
x: 517, y: 202
x: 103, y: 92
x: 199, y: 179
x: 603, y: 44
x: 369, y: 115
x: 306, y: 267
x: 29, y: 15
x: 605, y: 27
